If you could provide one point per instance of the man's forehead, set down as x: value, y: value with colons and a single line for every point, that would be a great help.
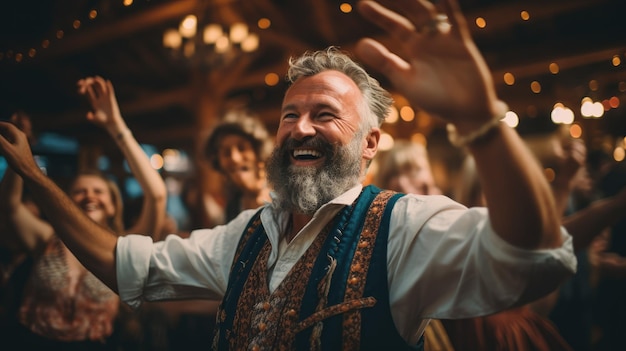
x: 330, y: 78
x: 331, y: 84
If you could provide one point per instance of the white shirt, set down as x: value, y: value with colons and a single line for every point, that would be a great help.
x: 444, y: 261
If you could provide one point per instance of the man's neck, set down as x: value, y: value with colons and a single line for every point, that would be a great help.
x: 296, y: 223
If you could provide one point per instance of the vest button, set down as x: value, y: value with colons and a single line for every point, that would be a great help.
x: 255, y: 348
x: 291, y: 312
x: 266, y: 306
x: 354, y: 280
x: 262, y: 326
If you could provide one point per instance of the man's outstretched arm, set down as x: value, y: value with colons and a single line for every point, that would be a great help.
x: 91, y: 243
x: 442, y: 72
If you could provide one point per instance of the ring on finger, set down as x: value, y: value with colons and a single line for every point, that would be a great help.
x: 438, y: 24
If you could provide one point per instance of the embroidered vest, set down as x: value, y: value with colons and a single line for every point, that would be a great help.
x: 334, y: 298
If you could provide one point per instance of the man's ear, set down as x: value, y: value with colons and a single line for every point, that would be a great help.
x: 371, y: 146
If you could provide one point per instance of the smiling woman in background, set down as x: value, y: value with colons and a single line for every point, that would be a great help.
x: 64, y: 306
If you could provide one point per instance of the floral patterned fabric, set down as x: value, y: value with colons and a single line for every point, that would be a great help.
x: 63, y: 301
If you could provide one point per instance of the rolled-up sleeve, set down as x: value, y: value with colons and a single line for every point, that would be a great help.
x: 178, y: 268
x: 132, y: 264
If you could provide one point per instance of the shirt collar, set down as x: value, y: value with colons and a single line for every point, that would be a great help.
x: 347, y: 198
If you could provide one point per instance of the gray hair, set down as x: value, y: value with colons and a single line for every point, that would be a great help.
x: 310, y: 63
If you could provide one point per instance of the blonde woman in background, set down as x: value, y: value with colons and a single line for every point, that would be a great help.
x: 65, y: 307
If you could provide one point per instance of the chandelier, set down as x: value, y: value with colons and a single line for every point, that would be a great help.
x: 214, y: 45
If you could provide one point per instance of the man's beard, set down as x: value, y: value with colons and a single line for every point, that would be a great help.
x: 306, y: 189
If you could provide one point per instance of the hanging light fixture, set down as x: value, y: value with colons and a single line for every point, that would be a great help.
x: 214, y: 45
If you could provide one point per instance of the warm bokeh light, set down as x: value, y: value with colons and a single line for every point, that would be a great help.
x: 597, y: 110
x: 509, y: 78
x: 589, y: 108
x: 170, y: 153
x: 156, y: 161
x: 561, y: 114
x: 93, y: 14
x: 393, y: 115
x: 554, y: 68
x: 32, y: 52
x: 238, y: 32
x: 271, y: 79
x: 45, y: 43
x: 222, y: 44
x: 264, y: 23
x: 250, y: 43
x: 614, y: 102
x: 172, y: 39
x: 480, y: 22
x: 616, y: 61
x: 593, y: 85
x: 188, y: 26
x: 419, y: 138
x: 576, y: 131
x: 76, y: 24
x: 619, y: 154
x: 586, y: 107
x: 524, y: 15
x: 345, y: 7
x: 19, y: 57
x: 211, y: 33
x: 511, y: 119
x: 128, y: 2
x: 386, y: 142
x: 60, y: 34
x: 535, y: 87
x: 407, y: 114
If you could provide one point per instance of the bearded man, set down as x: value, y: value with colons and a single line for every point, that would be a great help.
x: 333, y: 265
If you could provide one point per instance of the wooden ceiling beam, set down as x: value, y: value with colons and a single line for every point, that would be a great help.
x: 565, y: 62
x: 97, y: 35
x: 145, y: 104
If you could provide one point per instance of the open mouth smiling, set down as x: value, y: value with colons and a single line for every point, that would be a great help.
x: 306, y: 154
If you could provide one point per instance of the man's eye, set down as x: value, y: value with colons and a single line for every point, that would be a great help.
x: 325, y: 116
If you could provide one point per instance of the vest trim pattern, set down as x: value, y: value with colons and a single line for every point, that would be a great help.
x: 333, y: 296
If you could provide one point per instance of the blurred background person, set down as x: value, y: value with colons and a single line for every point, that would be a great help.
x: 406, y: 168
x: 238, y: 148
x: 534, y: 326
x: 64, y: 306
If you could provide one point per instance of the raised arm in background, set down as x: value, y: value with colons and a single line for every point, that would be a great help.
x: 106, y: 114
x: 95, y: 251
x: 24, y: 229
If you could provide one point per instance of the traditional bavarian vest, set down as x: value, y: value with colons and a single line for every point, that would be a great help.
x: 334, y: 298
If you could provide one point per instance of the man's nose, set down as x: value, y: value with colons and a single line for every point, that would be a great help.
x: 303, y: 128
x: 235, y: 155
